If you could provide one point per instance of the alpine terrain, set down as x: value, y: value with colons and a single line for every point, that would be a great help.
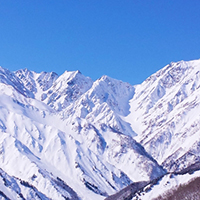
x: 69, y: 137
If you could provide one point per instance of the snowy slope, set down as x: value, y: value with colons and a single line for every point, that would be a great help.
x: 167, y: 185
x: 57, y: 92
x: 64, y: 137
x: 68, y: 137
x: 167, y: 110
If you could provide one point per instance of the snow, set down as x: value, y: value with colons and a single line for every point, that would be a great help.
x: 44, y: 142
x: 69, y: 137
x: 166, y: 106
x: 168, y: 183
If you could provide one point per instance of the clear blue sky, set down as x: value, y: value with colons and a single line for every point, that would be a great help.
x: 124, y: 39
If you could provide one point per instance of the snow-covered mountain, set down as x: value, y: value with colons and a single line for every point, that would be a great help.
x: 167, y: 110
x: 67, y: 137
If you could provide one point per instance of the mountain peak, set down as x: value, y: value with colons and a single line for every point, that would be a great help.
x: 60, y: 133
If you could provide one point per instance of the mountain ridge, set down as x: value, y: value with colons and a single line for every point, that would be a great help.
x: 70, y: 137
